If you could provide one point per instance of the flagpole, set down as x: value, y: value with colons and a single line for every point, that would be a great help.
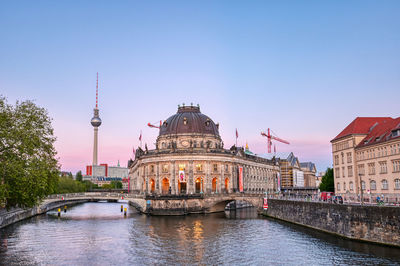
x: 236, y: 137
x: 140, y: 139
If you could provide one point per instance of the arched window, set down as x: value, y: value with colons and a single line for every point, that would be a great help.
x: 351, y: 186
x: 397, y: 184
x: 385, y: 184
x: 372, y: 185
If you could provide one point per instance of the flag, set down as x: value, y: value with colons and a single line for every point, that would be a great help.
x: 274, y: 149
x: 134, y: 150
x: 140, y: 137
x: 237, y: 134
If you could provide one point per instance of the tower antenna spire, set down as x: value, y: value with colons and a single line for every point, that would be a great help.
x: 97, y: 90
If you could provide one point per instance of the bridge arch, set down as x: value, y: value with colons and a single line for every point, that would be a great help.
x: 219, y: 205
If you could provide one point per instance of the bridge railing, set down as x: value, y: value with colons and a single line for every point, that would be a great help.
x: 94, y: 194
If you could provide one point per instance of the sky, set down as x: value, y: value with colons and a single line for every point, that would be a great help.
x: 305, y: 69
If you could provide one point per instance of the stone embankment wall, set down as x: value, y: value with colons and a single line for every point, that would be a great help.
x: 367, y: 223
x: 16, y: 215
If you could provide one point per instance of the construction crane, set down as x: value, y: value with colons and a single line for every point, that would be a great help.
x: 270, y: 138
x: 153, y: 125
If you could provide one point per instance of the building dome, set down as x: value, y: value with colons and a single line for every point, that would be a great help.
x: 188, y: 120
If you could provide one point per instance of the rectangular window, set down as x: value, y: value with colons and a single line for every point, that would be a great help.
x: 361, y: 170
x: 349, y: 159
x: 215, y: 167
x: 383, y: 167
x: 226, y: 168
x: 350, y: 171
x: 336, y: 159
x: 152, y: 168
x: 337, y: 172
x: 371, y: 168
x: 199, y: 167
x: 343, y: 172
x: 396, y: 166
x: 338, y: 186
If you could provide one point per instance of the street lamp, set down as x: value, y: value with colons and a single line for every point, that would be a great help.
x: 361, y: 192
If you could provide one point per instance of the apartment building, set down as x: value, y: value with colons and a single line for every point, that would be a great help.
x: 366, y: 154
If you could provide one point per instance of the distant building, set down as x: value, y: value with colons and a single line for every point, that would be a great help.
x: 295, y: 176
x: 104, y: 174
x: 309, y: 171
x: 367, y: 154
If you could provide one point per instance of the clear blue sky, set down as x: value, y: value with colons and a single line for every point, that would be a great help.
x: 303, y: 68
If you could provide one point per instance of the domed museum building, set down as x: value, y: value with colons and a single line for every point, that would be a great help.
x: 190, y: 158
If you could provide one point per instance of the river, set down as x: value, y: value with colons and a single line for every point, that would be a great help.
x: 99, y: 234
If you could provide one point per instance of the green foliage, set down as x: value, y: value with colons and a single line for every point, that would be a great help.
x: 107, y: 186
x: 28, y: 168
x: 116, y: 184
x: 89, y: 185
x: 68, y: 185
x: 327, y: 182
x: 79, y: 176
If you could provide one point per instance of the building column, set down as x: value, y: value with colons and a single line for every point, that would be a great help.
x: 190, y: 181
x: 146, y: 178
x: 158, y: 185
x: 222, y: 177
x: 207, y: 179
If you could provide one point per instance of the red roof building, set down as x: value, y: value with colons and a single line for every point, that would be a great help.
x: 366, y: 157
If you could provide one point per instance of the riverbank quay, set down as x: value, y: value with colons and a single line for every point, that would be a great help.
x: 52, y: 202
x: 375, y: 224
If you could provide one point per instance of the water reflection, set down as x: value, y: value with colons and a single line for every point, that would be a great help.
x: 98, y: 234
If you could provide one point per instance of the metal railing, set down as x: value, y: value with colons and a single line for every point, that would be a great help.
x: 368, y: 200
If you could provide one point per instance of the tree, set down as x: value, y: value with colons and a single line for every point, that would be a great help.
x: 116, y: 184
x: 28, y: 168
x: 327, y: 182
x: 79, y: 176
x: 68, y: 185
x: 107, y: 186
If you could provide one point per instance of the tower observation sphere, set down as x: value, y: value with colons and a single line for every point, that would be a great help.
x: 96, y: 121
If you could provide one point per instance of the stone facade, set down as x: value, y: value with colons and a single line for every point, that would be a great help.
x: 190, y: 158
x: 367, y: 152
x: 367, y: 223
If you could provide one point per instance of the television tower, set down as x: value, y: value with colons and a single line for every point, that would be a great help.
x: 96, y: 122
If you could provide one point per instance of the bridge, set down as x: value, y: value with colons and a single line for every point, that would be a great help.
x: 164, y: 204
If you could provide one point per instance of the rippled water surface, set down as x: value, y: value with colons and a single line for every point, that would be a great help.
x: 98, y: 234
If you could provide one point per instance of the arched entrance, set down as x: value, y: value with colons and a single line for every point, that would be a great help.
x: 199, y: 185
x: 227, y: 185
x: 152, y: 186
x: 214, y: 185
x: 165, y: 186
x: 182, y: 187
